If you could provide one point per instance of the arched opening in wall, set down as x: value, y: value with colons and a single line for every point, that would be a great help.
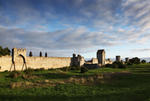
x: 24, y: 61
x: 19, y: 63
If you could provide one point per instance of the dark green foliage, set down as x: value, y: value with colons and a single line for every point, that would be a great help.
x: 6, y: 71
x: 42, y: 69
x: 135, y: 60
x: 4, y: 51
x: 83, y: 69
x: 70, y: 68
x: 29, y: 71
x: 115, y: 65
x: 65, y: 69
x: 108, y: 65
x: 128, y: 63
x: 46, y: 54
x: 118, y: 65
x: 40, y: 54
x: 30, y: 54
x: 143, y: 61
x: 39, y: 69
x: 14, y: 74
x: 51, y: 69
x: 75, y: 68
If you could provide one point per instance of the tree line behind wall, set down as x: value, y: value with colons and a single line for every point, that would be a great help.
x: 4, y: 51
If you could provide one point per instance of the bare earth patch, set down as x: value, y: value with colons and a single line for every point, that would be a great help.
x: 84, y: 80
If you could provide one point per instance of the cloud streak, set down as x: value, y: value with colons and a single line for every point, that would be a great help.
x: 78, y: 38
x: 73, y: 24
x: 141, y: 50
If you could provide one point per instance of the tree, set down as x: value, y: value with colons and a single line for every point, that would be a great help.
x: 46, y: 54
x: 135, y: 60
x: 4, y: 51
x: 143, y: 61
x: 30, y: 54
x: 118, y: 64
x: 40, y: 54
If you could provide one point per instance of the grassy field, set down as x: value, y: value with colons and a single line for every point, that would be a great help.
x: 132, y: 87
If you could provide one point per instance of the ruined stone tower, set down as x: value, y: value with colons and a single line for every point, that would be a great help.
x: 17, y: 52
x: 118, y: 58
x: 18, y: 59
x: 101, y: 56
x: 127, y: 59
x: 77, y: 60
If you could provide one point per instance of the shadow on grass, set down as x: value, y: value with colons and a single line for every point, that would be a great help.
x: 111, y: 97
x: 140, y: 70
x: 49, y: 98
x: 54, y: 75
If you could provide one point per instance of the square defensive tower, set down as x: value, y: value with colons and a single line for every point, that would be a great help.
x: 101, y: 56
x: 17, y: 52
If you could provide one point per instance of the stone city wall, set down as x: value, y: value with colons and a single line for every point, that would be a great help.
x: 94, y: 61
x: 34, y: 62
x: 5, y: 63
x: 48, y: 62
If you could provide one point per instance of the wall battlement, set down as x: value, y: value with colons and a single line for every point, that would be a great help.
x: 19, y: 58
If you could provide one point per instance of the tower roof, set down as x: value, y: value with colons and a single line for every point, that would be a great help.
x: 100, y: 51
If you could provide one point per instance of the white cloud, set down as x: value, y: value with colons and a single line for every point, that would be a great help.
x: 76, y: 24
x: 66, y: 39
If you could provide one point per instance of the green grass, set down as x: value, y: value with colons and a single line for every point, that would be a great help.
x: 133, y: 87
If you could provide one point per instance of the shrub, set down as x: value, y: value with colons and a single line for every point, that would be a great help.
x: 114, y: 65
x: 41, y: 69
x: 128, y: 63
x: 108, y: 65
x: 50, y: 69
x: 6, y: 71
x: 29, y: 71
x: 118, y: 65
x: 4, y: 51
x: 75, y: 68
x: 83, y: 69
x: 135, y: 60
x: 65, y: 69
x: 143, y: 61
x: 30, y: 54
x: 36, y: 69
x: 14, y: 74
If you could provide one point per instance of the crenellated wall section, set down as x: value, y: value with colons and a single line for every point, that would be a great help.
x: 48, y: 62
x: 19, y: 60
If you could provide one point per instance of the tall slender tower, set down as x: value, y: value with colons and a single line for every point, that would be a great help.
x: 118, y: 58
x: 101, y: 56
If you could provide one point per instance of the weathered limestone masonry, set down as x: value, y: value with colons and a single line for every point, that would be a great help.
x: 77, y: 60
x: 94, y: 61
x: 100, y: 60
x: 48, y: 62
x: 19, y: 58
x: 101, y: 56
x: 5, y: 63
x: 127, y: 59
x: 108, y: 61
x: 118, y: 58
x: 19, y: 61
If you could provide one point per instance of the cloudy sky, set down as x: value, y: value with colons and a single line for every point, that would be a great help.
x: 63, y: 27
